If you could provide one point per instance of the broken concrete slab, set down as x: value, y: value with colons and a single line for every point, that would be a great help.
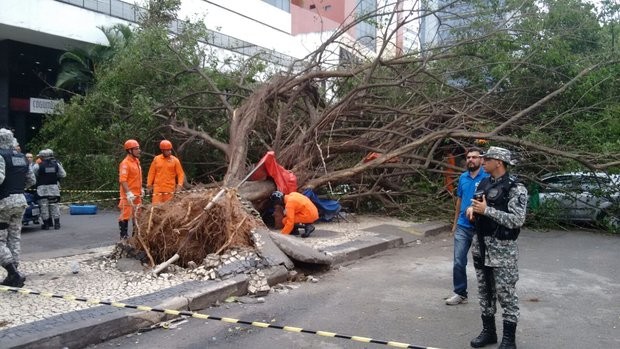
x: 297, y: 250
x: 267, y: 249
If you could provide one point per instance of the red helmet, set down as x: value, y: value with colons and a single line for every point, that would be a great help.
x: 165, y: 145
x: 131, y: 143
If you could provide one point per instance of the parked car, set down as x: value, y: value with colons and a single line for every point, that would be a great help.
x: 33, y: 211
x: 582, y: 196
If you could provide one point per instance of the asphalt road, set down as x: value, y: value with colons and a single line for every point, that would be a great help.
x: 78, y: 234
x: 569, y: 289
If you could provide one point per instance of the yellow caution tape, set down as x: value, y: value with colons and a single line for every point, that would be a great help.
x: 192, y: 314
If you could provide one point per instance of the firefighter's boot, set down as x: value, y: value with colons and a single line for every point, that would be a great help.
x: 123, y: 225
x: 308, y: 229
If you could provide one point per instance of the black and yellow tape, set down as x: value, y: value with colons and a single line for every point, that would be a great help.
x: 115, y: 198
x: 211, y: 317
x: 85, y: 191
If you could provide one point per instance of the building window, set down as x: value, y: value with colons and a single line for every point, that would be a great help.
x: 284, y: 5
x: 366, y: 31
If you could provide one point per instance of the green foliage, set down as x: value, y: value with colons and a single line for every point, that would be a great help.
x: 78, y: 66
x: 137, y: 89
x: 545, y: 216
x: 546, y: 44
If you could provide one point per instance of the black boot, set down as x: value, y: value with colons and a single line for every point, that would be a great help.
x: 56, y: 223
x: 296, y: 229
x: 308, y: 229
x: 45, y: 225
x: 508, y: 340
x: 488, y: 334
x: 123, y: 225
x: 14, y: 279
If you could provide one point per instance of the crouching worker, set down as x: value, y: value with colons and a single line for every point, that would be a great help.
x: 298, y: 210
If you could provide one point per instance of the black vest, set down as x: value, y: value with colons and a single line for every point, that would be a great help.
x: 15, y: 171
x: 48, y: 172
x: 496, y: 194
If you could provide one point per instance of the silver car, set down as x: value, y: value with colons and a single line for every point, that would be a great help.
x: 582, y: 196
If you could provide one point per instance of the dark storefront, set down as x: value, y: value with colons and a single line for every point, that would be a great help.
x: 26, y: 72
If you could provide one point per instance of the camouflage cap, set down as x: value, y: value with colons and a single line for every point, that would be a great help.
x: 46, y: 153
x: 498, y: 154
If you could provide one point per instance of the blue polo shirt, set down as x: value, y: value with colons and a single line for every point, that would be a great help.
x: 466, y: 188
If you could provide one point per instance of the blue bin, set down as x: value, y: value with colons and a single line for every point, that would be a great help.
x: 82, y: 209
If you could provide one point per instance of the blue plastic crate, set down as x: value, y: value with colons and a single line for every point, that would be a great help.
x: 82, y: 209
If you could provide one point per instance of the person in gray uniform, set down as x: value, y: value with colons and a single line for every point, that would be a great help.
x: 48, y: 173
x: 498, y: 211
x: 15, y: 176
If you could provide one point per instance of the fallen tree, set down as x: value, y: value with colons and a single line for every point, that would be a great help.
x: 524, y: 80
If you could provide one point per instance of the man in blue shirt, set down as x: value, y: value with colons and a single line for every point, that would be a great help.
x: 462, y: 228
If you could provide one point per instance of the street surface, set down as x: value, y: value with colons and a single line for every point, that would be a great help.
x: 78, y: 234
x: 569, y: 294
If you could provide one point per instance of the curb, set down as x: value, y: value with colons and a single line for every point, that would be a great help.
x: 95, y: 325
x: 358, y: 249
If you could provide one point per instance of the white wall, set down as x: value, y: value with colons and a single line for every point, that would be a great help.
x: 268, y: 26
x: 50, y: 23
x: 38, y: 19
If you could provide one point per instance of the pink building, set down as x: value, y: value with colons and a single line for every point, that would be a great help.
x: 315, y: 16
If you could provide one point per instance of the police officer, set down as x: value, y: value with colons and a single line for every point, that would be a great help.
x: 498, y: 210
x: 15, y: 175
x: 48, y: 173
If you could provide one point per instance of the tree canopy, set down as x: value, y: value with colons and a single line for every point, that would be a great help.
x: 540, y: 78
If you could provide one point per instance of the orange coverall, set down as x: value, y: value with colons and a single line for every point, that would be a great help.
x: 298, y: 209
x: 165, y: 174
x: 130, y: 171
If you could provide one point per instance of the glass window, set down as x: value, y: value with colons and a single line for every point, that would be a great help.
x: 284, y: 5
x: 366, y: 32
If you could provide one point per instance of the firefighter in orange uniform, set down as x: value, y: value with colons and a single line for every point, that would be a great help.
x: 297, y: 209
x: 166, y: 174
x: 130, y: 179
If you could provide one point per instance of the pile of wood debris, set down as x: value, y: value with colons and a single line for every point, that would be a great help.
x: 183, y: 225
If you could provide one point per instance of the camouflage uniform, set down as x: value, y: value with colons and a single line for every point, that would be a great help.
x: 501, y: 256
x: 49, y: 194
x: 495, y: 250
x: 12, y: 207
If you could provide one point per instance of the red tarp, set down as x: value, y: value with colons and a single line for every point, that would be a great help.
x: 285, y: 180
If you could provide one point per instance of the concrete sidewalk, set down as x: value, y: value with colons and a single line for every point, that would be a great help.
x: 81, y: 325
